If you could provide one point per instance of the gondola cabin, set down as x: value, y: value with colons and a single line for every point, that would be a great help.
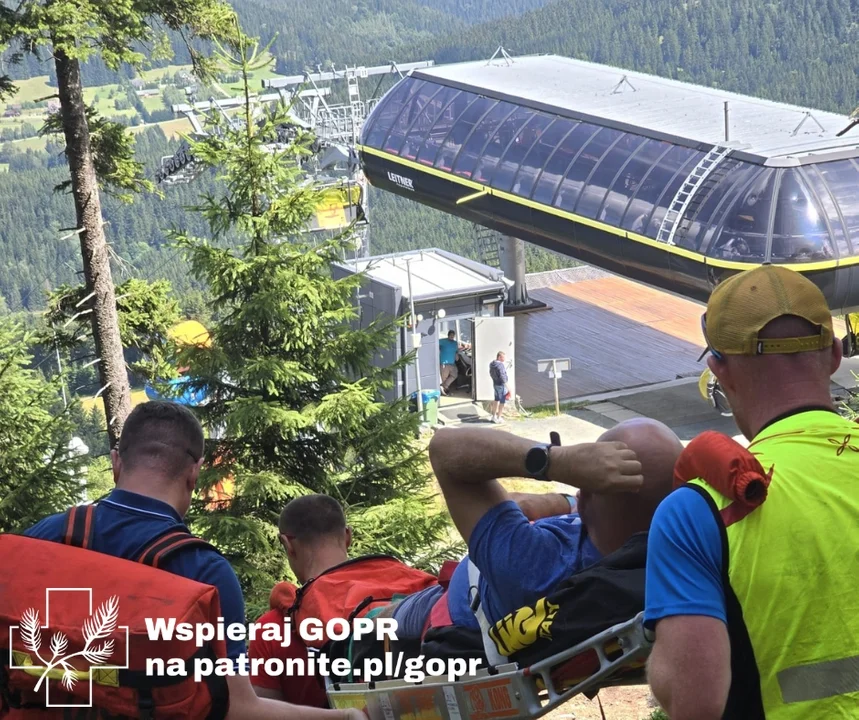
x: 667, y: 183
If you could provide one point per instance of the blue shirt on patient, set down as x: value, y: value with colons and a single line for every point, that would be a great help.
x: 519, y: 561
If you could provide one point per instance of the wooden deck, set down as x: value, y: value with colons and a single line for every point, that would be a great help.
x: 618, y: 334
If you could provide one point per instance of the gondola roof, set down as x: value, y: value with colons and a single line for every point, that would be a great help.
x: 766, y: 132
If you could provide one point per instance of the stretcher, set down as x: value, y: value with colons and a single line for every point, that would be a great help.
x: 611, y: 658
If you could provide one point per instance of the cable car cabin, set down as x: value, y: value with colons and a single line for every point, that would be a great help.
x: 671, y: 184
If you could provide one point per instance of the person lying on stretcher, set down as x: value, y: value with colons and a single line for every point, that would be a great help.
x: 525, y: 546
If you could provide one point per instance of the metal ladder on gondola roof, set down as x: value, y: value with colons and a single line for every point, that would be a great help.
x: 687, y: 191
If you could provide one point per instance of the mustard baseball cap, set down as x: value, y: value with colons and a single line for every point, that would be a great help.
x: 743, y: 304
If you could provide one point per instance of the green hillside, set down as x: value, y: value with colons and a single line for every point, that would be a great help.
x: 800, y: 51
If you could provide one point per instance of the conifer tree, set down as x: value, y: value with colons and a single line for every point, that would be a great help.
x: 294, y: 400
x: 39, y: 473
x: 99, y: 151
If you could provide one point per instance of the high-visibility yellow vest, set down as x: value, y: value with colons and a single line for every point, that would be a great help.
x: 791, y: 574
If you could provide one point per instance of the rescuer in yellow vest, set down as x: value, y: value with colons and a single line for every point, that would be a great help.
x: 756, y: 609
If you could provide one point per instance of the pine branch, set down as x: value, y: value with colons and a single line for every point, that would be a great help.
x: 103, y: 621
x: 98, y: 655
x: 31, y: 632
x: 59, y: 643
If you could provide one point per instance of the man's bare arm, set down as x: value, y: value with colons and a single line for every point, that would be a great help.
x: 689, y: 670
x: 467, y: 466
x: 468, y: 462
x: 267, y: 693
x: 536, y: 506
x: 245, y: 705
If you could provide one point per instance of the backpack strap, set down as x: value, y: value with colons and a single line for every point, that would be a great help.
x: 448, y: 567
x: 493, y: 657
x: 80, y: 528
x: 164, y: 546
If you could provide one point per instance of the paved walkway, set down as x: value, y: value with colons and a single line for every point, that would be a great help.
x: 678, y: 404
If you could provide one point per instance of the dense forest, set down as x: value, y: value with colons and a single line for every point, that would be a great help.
x: 800, y: 51
x: 35, y: 220
x: 319, y: 33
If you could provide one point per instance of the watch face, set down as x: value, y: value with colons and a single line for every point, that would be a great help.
x: 536, y: 459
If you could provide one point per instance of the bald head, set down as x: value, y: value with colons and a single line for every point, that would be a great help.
x: 612, y: 519
x: 657, y: 448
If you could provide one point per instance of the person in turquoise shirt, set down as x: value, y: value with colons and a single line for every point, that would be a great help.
x: 447, y: 349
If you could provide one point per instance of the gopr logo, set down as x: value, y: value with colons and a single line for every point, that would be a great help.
x: 55, y: 661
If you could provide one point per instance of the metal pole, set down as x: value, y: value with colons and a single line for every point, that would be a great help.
x: 414, y: 332
x: 727, y: 123
x: 555, y: 377
x: 512, y: 258
x: 366, y: 197
x: 60, y: 371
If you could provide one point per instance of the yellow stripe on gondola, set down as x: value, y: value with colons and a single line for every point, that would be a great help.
x: 799, y: 267
x: 854, y: 260
x: 473, y: 196
x: 635, y: 237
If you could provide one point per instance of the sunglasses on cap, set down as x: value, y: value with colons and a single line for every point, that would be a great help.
x: 709, y: 349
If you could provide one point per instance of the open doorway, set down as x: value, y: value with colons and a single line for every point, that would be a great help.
x: 460, y: 387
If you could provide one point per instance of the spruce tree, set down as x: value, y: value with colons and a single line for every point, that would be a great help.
x: 39, y: 474
x: 100, y: 152
x: 294, y: 400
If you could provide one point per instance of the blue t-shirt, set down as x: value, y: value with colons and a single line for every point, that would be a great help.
x: 684, y: 560
x: 447, y: 350
x: 125, y: 522
x: 519, y: 561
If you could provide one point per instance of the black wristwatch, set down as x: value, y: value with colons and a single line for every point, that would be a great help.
x: 537, y: 462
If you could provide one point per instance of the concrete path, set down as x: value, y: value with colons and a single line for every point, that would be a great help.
x: 677, y: 403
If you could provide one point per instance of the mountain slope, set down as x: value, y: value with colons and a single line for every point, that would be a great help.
x: 800, y: 51
x: 325, y: 31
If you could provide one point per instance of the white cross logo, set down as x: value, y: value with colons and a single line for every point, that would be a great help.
x: 99, y: 626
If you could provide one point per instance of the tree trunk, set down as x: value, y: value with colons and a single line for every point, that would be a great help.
x: 96, y: 259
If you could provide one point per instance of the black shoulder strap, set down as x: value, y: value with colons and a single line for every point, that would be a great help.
x: 164, y: 546
x: 79, y: 527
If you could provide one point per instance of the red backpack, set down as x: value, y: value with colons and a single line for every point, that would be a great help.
x: 349, y: 590
x: 76, y: 623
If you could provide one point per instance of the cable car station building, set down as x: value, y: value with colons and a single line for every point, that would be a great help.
x: 667, y: 183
